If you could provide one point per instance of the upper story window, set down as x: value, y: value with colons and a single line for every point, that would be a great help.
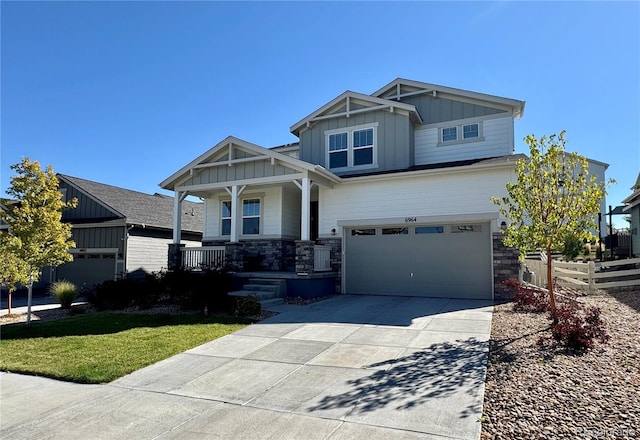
x: 352, y: 147
x: 461, y: 133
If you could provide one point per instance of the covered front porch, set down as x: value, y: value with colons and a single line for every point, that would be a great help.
x: 259, y: 211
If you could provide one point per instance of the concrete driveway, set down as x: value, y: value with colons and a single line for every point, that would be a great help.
x: 351, y: 367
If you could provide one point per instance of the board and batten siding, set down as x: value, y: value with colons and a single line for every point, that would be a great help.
x: 99, y: 237
x: 150, y: 253
x: 497, y: 140
x: 440, y: 194
x: 436, y: 109
x: 271, y: 212
x: 87, y: 207
x: 394, y: 140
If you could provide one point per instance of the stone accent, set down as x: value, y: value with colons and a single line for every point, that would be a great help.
x: 270, y: 255
x: 336, y: 258
x: 304, y: 256
x: 505, y: 265
x: 174, y: 259
x: 234, y: 256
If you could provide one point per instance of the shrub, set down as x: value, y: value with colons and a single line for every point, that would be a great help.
x: 111, y: 295
x: 572, y: 247
x: 247, y: 306
x: 528, y: 298
x: 577, y: 327
x: 65, y: 291
x: 197, y: 290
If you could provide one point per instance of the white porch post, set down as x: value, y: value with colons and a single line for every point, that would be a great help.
x: 177, y: 216
x: 234, y: 214
x: 306, y: 209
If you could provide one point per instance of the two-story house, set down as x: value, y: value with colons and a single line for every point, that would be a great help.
x: 395, y: 186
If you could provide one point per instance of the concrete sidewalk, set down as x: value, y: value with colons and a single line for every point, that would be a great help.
x: 351, y: 367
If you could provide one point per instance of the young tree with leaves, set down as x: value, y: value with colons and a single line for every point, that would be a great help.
x: 553, y: 200
x: 34, y: 220
x: 12, y: 269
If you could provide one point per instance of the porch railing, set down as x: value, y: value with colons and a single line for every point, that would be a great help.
x: 321, y: 258
x: 200, y: 258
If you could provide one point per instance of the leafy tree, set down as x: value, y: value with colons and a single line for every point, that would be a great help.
x: 40, y: 237
x: 12, y: 269
x: 553, y: 200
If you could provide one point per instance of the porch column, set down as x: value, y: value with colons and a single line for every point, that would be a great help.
x: 235, y: 212
x: 305, y: 216
x: 177, y: 216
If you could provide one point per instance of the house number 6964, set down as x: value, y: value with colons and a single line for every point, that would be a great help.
x: 410, y: 219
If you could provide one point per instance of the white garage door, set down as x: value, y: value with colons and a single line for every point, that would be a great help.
x: 445, y: 260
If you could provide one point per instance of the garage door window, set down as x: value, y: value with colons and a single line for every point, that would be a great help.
x: 395, y: 231
x: 456, y: 229
x: 357, y: 232
x: 429, y: 229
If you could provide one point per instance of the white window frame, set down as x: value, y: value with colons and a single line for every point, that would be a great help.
x: 460, y: 139
x: 350, y: 148
x: 222, y: 218
x: 259, y: 216
x: 259, y: 197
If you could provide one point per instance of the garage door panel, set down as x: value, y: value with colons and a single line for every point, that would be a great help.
x: 87, y: 271
x: 448, y: 261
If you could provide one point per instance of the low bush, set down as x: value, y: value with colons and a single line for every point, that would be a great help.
x: 528, y: 298
x: 65, y: 292
x: 199, y: 290
x: 247, y: 306
x: 578, y: 327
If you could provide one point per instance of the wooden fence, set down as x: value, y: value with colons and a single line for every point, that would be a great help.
x: 588, y: 276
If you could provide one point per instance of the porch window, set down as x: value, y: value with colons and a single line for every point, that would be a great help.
x: 226, y: 218
x: 251, y: 216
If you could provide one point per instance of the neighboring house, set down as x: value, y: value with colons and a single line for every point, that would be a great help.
x: 396, y: 185
x: 118, y: 231
x: 632, y: 207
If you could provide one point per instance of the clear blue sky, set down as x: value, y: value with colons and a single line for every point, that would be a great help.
x: 126, y: 93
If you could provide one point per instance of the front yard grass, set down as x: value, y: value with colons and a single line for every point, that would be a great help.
x: 101, y: 347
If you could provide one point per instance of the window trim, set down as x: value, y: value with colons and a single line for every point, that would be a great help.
x: 259, y: 216
x: 222, y: 218
x: 258, y: 196
x: 350, y: 148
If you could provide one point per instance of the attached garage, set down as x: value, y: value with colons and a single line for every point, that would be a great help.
x: 90, y: 266
x: 431, y: 260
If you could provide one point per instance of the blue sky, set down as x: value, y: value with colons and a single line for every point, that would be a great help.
x: 126, y: 93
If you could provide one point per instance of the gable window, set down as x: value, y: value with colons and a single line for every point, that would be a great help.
x: 338, y: 150
x: 470, y: 131
x: 449, y: 134
x: 352, y: 147
x: 226, y: 218
x: 251, y: 216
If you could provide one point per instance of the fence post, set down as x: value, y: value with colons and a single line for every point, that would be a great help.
x: 592, y: 279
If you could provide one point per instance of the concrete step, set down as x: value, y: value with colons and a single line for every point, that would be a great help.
x: 258, y: 294
x: 279, y: 285
x: 271, y: 303
x: 261, y: 287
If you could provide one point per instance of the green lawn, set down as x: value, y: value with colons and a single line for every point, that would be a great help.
x: 101, y: 347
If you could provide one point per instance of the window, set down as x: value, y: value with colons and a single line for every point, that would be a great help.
x: 466, y: 228
x: 251, y: 216
x: 356, y: 232
x: 338, y: 150
x: 226, y: 218
x: 449, y: 134
x: 470, y: 131
x: 429, y: 229
x: 352, y: 147
x: 395, y: 231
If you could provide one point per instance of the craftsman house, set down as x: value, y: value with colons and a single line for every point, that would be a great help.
x: 118, y: 231
x: 387, y: 193
x: 632, y: 207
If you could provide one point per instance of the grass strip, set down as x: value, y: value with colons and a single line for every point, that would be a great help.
x: 101, y: 347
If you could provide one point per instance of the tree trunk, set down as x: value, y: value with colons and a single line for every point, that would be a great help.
x: 552, y: 296
x: 9, y: 296
x: 29, y: 296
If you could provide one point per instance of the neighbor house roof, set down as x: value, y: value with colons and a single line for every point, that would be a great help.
x: 151, y: 210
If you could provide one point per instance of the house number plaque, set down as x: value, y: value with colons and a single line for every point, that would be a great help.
x: 410, y: 219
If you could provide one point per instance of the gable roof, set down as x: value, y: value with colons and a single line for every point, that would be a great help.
x: 207, y: 159
x: 151, y: 210
x: 368, y: 102
x: 400, y: 87
x: 634, y: 198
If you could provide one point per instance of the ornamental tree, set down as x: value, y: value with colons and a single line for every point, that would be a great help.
x: 34, y: 220
x: 13, y: 270
x: 554, y: 200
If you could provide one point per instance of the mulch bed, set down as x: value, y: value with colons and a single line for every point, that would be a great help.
x: 547, y: 392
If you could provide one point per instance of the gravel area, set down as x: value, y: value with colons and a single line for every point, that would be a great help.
x: 542, y: 392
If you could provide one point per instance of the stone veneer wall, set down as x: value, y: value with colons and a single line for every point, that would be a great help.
x: 336, y: 257
x: 274, y: 254
x: 505, y: 266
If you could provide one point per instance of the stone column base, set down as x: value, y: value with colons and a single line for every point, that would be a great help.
x: 304, y: 256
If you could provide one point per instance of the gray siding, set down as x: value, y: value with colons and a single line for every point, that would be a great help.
x: 241, y: 171
x: 87, y: 207
x: 109, y: 237
x: 434, y: 110
x: 635, y: 230
x: 394, y: 134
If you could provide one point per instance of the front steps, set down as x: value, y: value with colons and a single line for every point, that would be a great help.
x: 270, y: 292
